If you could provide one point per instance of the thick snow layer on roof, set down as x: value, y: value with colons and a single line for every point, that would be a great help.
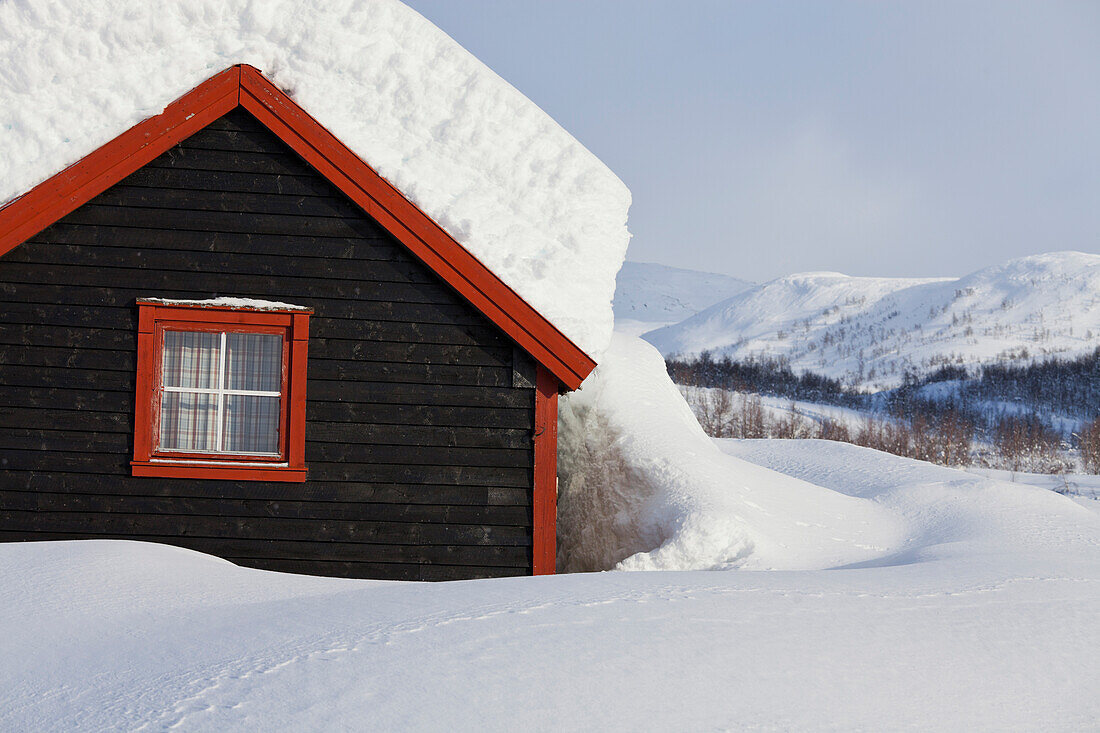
x: 477, y: 156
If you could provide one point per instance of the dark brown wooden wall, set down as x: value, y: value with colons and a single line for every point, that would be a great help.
x: 419, y: 411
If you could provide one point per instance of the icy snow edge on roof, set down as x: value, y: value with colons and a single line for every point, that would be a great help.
x: 229, y: 302
x: 490, y: 167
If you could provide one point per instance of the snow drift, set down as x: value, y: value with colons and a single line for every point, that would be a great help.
x: 642, y: 487
x: 477, y: 156
x: 111, y: 635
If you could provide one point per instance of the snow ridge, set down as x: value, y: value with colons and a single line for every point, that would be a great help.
x: 654, y: 293
x: 870, y: 331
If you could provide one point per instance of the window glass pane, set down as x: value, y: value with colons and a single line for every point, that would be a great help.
x: 254, y: 361
x: 251, y: 424
x: 188, y: 421
x: 191, y: 359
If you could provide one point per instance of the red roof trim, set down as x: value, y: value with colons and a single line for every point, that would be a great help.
x: 245, y: 86
x: 95, y: 173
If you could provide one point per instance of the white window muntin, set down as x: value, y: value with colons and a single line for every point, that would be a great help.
x: 221, y: 392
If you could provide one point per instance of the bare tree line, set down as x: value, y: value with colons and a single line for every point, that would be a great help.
x: 1065, y: 386
x: 1004, y: 417
x: 946, y: 437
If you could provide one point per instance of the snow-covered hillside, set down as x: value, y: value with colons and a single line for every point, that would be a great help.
x: 648, y: 296
x: 986, y: 617
x: 870, y: 331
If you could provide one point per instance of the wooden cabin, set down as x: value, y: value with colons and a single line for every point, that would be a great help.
x: 224, y: 331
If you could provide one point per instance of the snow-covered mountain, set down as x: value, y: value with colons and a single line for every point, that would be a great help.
x: 869, y: 331
x: 648, y: 295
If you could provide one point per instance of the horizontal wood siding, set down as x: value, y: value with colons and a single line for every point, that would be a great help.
x: 419, y: 411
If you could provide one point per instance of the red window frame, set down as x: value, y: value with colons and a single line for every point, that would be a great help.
x: 154, y: 317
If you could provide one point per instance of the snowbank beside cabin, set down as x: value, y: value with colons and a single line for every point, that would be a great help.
x: 642, y: 487
x: 477, y: 156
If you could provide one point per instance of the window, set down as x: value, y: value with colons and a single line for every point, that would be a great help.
x: 221, y: 390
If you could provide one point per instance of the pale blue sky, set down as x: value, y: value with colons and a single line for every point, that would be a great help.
x: 867, y: 137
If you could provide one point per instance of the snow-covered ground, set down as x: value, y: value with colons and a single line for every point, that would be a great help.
x: 986, y: 618
x: 1083, y: 488
x: 889, y: 593
x: 948, y: 513
x: 870, y: 331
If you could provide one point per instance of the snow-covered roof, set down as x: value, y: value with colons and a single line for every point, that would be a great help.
x: 495, y: 171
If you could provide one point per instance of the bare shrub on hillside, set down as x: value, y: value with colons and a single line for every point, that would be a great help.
x: 946, y: 437
x: 956, y: 436
x: 833, y: 430
x: 953, y: 426
x: 713, y: 409
x: 1028, y: 444
x: 885, y: 435
x: 1089, y: 440
x: 1011, y: 439
x: 722, y: 414
x: 751, y: 420
x: 922, y: 439
x: 793, y: 426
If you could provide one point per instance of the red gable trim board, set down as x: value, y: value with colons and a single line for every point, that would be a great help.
x: 245, y: 86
